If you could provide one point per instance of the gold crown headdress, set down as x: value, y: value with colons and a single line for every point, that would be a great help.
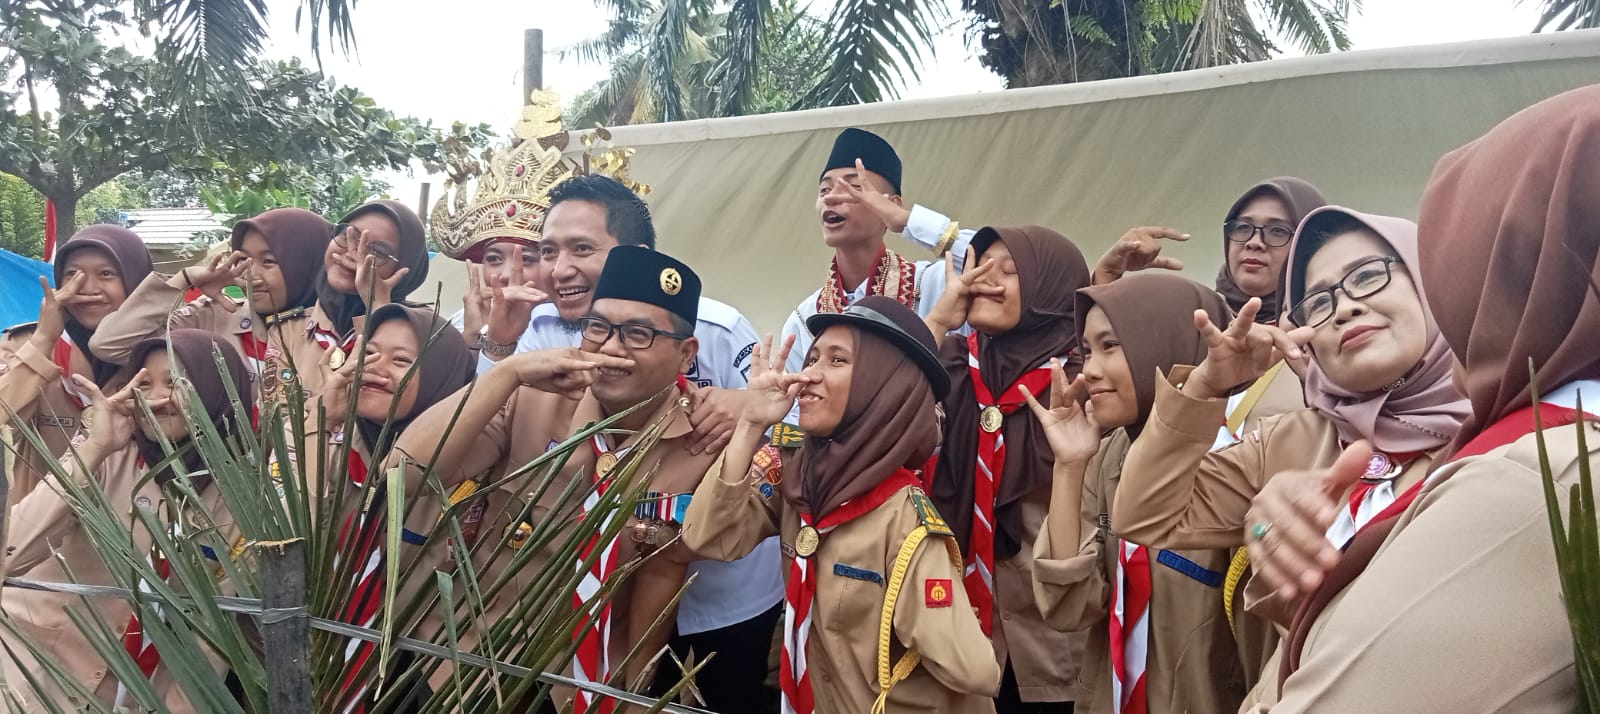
x: 513, y: 185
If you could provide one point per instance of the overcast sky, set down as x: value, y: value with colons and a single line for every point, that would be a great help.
x: 462, y: 59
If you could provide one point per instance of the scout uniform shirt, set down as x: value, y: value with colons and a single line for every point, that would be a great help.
x: 278, y: 349
x: 854, y: 565
x: 1178, y: 493
x: 722, y: 594
x: 1461, y: 609
x: 1190, y: 661
x: 37, y: 388
x: 48, y: 543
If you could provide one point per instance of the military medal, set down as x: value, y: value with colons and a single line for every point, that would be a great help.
x: 336, y: 360
x: 605, y: 463
x: 991, y: 419
x: 806, y: 541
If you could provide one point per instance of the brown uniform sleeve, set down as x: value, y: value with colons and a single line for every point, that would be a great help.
x: 40, y: 519
x: 152, y: 309
x: 1069, y: 579
x: 953, y: 647
x: 489, y: 447
x: 726, y: 521
x: 1464, y: 599
x: 1177, y: 493
x: 26, y: 375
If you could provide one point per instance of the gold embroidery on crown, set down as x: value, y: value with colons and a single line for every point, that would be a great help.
x: 513, y: 184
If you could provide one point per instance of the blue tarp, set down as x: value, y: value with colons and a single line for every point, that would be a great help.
x: 19, y: 287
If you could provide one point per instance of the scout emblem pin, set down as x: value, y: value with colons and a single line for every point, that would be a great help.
x: 671, y: 281
x: 605, y: 463
x: 806, y: 541
x: 991, y: 419
x: 336, y: 360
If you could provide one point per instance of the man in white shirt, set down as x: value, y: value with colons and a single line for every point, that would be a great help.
x: 729, y: 608
x: 858, y: 203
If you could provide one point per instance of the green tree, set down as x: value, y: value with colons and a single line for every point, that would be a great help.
x: 114, y: 114
x: 1567, y: 14
x: 21, y: 217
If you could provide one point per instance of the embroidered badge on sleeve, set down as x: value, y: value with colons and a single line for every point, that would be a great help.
x: 938, y: 592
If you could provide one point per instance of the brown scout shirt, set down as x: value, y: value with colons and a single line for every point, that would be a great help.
x: 958, y: 672
x: 154, y: 307
x: 44, y: 533
x: 1461, y: 609
x: 1192, y: 663
x: 1178, y: 493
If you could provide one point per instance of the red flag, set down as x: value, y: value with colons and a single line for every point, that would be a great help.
x: 49, y: 230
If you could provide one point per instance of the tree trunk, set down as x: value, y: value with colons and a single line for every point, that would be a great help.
x: 66, y: 215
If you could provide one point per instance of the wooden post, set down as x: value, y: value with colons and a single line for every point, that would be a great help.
x: 532, y: 62
x: 422, y: 203
x: 285, y: 625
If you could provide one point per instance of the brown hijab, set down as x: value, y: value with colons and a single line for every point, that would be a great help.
x: 1301, y: 198
x: 888, y: 424
x: 1050, y: 269
x: 298, y: 239
x: 128, y: 251
x: 196, y: 352
x: 343, y: 308
x: 444, y: 366
x: 1509, y: 231
x: 1153, y: 316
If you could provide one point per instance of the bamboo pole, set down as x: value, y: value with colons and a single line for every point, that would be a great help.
x: 285, y: 625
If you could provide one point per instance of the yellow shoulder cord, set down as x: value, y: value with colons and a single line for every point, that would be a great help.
x: 908, y: 661
x: 1251, y: 396
x: 1230, y: 584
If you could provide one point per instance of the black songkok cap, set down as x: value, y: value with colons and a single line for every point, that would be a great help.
x: 650, y: 276
x: 875, y: 154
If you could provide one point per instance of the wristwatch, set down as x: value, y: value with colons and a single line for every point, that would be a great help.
x: 492, y: 348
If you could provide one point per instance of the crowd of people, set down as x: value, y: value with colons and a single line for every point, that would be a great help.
x: 1002, y: 479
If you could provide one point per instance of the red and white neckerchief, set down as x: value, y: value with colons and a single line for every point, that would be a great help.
x: 328, y: 338
x: 254, y: 350
x: 801, y: 592
x: 1130, y: 628
x: 366, y: 599
x: 62, y: 356
x: 1374, y: 493
x: 894, y: 277
x: 979, y: 575
x: 592, y: 661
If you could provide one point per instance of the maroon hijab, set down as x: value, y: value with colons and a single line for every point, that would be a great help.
x: 298, y: 239
x: 1050, y: 270
x: 197, y: 352
x: 128, y: 251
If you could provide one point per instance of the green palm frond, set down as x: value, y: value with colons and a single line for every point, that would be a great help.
x: 737, y: 69
x: 290, y: 489
x: 1577, y: 552
x: 1567, y: 14
x: 874, y: 48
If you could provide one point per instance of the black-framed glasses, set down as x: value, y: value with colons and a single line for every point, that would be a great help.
x: 380, y: 253
x: 1363, y: 281
x: 634, y: 337
x: 1276, y: 235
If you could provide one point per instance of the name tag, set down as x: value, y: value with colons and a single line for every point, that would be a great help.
x: 845, y: 571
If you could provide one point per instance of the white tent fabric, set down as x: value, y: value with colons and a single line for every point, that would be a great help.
x: 735, y: 197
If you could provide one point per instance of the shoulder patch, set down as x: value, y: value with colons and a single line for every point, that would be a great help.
x: 929, y: 515
x: 786, y: 436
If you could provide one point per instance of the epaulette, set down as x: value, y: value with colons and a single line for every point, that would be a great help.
x: 929, y: 515
x: 285, y: 316
x: 786, y: 436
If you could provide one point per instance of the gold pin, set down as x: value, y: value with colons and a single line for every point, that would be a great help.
x: 337, y: 359
x: 671, y: 281
x: 806, y: 541
x: 991, y: 419
x: 605, y: 463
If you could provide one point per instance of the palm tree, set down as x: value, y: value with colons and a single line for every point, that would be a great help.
x: 1567, y: 14
x: 217, y: 38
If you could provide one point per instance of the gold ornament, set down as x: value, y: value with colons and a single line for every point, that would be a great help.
x: 336, y: 360
x: 991, y: 419
x: 806, y: 541
x: 605, y: 463
x: 671, y: 281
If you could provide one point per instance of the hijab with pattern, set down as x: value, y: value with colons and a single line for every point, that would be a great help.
x: 888, y: 424
x: 1301, y: 198
x: 132, y: 258
x: 444, y: 365
x: 1421, y: 412
x: 196, y: 352
x: 1153, y: 317
x: 1050, y: 270
x: 344, y: 308
x: 1510, y: 234
x: 297, y: 238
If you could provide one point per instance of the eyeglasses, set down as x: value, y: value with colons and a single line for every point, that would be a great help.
x: 380, y: 253
x: 634, y: 337
x: 1362, y: 281
x: 1276, y: 235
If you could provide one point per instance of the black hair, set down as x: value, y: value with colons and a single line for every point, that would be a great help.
x: 627, y: 216
x: 1315, y: 234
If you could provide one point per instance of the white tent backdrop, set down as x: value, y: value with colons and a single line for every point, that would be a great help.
x: 735, y: 197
